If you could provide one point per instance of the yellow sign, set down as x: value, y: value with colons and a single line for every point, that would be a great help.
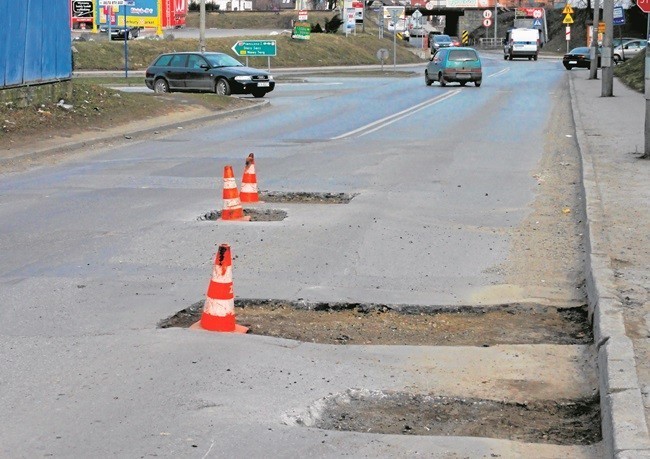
x: 567, y: 10
x: 567, y: 19
x: 601, y: 27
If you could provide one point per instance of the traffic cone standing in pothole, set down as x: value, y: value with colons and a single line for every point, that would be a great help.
x: 232, y: 209
x: 219, y: 308
x: 249, y: 192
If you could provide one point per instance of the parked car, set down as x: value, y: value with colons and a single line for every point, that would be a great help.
x: 440, y: 41
x: 629, y: 49
x: 618, y: 41
x: 579, y: 57
x: 457, y: 64
x: 119, y: 33
x: 455, y: 41
x: 209, y: 72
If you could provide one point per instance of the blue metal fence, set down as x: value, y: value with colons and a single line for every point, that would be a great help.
x: 35, y: 44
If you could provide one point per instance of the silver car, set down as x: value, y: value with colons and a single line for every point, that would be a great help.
x: 628, y: 50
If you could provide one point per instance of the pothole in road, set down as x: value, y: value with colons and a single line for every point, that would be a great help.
x: 366, y: 324
x: 256, y: 215
x: 275, y: 215
x: 560, y: 422
x: 306, y: 197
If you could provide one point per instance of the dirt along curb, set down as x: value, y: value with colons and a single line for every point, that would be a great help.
x: 624, y: 429
x: 160, y: 126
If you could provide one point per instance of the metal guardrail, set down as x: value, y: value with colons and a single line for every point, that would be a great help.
x: 490, y: 42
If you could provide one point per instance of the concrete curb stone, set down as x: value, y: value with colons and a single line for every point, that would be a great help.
x: 624, y: 428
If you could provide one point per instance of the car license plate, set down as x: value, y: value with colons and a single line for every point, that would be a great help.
x: 573, y: 62
x: 462, y: 76
x: 263, y: 85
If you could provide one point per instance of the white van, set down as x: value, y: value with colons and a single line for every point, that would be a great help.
x: 521, y: 43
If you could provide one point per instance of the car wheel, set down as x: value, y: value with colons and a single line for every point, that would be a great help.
x: 530, y: 58
x: 477, y: 83
x: 568, y: 67
x: 427, y: 81
x: 463, y: 83
x: 259, y: 94
x: 616, y: 58
x: 505, y: 57
x: 222, y: 87
x: 535, y: 57
x: 160, y: 86
x: 441, y: 79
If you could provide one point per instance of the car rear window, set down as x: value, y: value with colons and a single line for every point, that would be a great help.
x: 462, y: 55
x: 163, y: 61
x: 442, y: 38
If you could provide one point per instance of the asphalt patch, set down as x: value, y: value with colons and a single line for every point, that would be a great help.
x: 380, y: 324
x: 560, y: 422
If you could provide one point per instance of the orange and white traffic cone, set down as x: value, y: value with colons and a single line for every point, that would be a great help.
x: 232, y: 209
x: 249, y: 191
x: 219, y: 308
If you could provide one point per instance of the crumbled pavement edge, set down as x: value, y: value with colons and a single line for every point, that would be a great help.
x: 624, y: 428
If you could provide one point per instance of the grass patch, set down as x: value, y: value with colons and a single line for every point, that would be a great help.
x: 256, y: 19
x: 96, y: 107
x: 632, y: 72
x: 321, y: 50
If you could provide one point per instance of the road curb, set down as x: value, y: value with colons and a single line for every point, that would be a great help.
x: 105, y: 139
x: 624, y: 428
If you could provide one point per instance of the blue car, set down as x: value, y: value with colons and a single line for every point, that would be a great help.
x: 460, y: 65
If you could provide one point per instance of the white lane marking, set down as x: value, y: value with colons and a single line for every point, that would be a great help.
x: 507, y: 69
x: 375, y: 125
x: 306, y: 83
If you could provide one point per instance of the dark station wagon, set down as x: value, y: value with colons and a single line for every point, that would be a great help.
x: 209, y: 72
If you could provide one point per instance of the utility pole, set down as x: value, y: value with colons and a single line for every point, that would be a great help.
x: 646, y: 154
x: 496, y: 2
x: 593, y: 53
x: 606, y: 60
x: 202, y: 26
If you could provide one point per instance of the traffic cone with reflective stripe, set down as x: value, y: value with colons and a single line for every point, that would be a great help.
x: 219, y: 308
x: 232, y: 209
x: 249, y: 182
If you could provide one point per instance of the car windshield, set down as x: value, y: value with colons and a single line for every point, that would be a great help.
x: 442, y: 38
x: 580, y: 51
x: 462, y: 55
x: 222, y: 60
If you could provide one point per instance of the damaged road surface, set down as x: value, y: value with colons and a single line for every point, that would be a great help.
x: 421, y: 291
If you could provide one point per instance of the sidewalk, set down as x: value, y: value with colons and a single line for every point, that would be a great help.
x: 610, y: 134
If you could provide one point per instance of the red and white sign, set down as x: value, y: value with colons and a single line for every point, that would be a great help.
x: 568, y: 33
x: 487, y: 22
x: 487, y: 14
x: 302, y: 15
x: 537, y: 13
x: 644, y: 5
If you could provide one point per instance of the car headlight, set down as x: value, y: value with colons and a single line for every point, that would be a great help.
x: 243, y: 78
